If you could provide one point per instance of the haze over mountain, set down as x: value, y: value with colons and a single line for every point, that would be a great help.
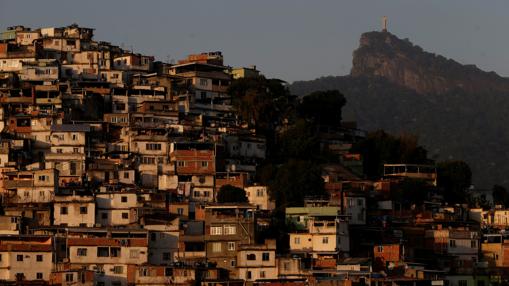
x: 458, y: 111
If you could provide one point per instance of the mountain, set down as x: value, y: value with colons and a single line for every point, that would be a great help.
x: 458, y: 111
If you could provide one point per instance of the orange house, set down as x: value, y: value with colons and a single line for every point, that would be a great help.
x: 384, y: 254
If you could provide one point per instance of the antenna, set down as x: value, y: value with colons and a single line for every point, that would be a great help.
x: 384, y: 24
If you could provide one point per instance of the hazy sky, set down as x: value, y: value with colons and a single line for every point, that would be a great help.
x: 291, y: 40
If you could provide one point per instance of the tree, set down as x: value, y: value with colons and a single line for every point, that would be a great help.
x: 454, y: 177
x: 259, y: 101
x: 380, y: 148
x: 323, y: 107
x: 411, y: 191
x: 295, y: 180
x: 500, y: 195
x: 299, y: 141
x: 231, y: 194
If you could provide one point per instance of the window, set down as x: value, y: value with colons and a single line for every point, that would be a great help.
x: 118, y: 269
x: 82, y: 252
x: 462, y: 282
x: 123, y: 199
x: 143, y: 272
x: 75, y: 150
x: 0, y: 257
x: 216, y: 230
x: 125, y: 215
x: 73, y: 167
x: 233, y: 263
x: 74, y: 137
x: 104, y: 216
x: 251, y: 256
x: 38, y: 258
x: 63, y: 210
x: 325, y: 240
x: 473, y: 244
x: 265, y: 256
x: 69, y: 277
x: 231, y: 245
x: 296, y: 240
x: 126, y: 175
x: 168, y: 271
x: 120, y: 106
x: 204, y: 164
x: 262, y: 274
x: 134, y: 253
x: 42, y: 178
x: 83, y: 210
x: 19, y: 257
x: 153, y: 146
x: 181, y: 163
x: 180, y: 211
x: 115, y: 252
x: 452, y: 243
x: 38, y: 275
x: 230, y: 230
x: 148, y: 160
x: 102, y: 252
x: 166, y: 256
x: 203, y: 81
x: 216, y: 247
x: 248, y: 275
x: 259, y: 193
x: 380, y: 248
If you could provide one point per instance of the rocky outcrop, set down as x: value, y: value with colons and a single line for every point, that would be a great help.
x: 458, y: 111
x: 384, y: 55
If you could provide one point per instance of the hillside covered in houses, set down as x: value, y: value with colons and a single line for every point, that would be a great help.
x: 119, y: 170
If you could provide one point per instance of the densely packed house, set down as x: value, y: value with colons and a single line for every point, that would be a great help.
x: 110, y: 165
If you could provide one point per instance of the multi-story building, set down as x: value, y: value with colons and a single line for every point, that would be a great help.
x: 109, y: 257
x: 74, y: 210
x: 116, y: 208
x: 321, y: 231
x: 260, y: 197
x: 226, y: 228
x: 26, y: 187
x: 26, y: 258
x: 68, y: 144
x: 256, y: 262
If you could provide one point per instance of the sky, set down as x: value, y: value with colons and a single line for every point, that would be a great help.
x: 287, y: 39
